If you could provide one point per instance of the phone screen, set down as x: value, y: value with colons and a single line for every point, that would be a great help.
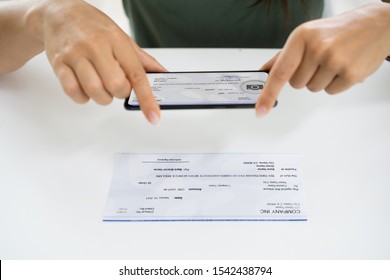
x: 181, y: 90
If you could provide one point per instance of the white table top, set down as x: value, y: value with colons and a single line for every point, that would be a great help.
x: 56, y: 162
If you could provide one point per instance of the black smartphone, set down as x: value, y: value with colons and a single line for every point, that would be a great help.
x: 200, y: 90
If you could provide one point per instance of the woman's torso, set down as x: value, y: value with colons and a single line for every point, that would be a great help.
x: 217, y: 23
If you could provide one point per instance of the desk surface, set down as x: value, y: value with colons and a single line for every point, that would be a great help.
x: 56, y: 162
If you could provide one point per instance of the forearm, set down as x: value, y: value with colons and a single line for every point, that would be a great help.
x: 387, y: 16
x: 17, y: 43
x: 383, y: 20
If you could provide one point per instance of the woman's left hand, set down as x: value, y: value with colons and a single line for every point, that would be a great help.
x: 331, y: 53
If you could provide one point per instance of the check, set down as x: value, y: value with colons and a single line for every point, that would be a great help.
x: 231, y: 89
x: 206, y: 187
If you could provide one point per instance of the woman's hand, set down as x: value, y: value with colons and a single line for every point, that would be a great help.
x: 91, y: 56
x: 331, y: 54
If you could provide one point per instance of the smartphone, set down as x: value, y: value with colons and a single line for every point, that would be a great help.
x: 200, y: 90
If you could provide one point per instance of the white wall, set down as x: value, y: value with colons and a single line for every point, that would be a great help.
x: 334, y: 7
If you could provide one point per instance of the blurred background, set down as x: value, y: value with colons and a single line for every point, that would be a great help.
x: 114, y: 9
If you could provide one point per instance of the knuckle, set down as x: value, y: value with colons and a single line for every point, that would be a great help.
x: 80, y: 99
x: 75, y: 94
x: 297, y: 81
x: 104, y: 99
x: 117, y: 35
x: 296, y: 84
x: 281, y: 72
x: 331, y: 91
x: 58, y: 60
x: 333, y: 61
x: 303, y: 30
x: 92, y: 88
x: 307, y: 30
x: 352, y: 76
x: 117, y: 86
x: 65, y: 56
x: 88, y: 48
x: 317, y: 50
x: 313, y: 88
x: 137, y: 76
x: 72, y: 89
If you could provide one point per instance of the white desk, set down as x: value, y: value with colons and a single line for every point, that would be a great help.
x: 56, y: 161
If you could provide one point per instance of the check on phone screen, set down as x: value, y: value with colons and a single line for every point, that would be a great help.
x: 183, y: 90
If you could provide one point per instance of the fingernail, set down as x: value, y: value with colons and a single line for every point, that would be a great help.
x: 261, y: 111
x: 153, y: 118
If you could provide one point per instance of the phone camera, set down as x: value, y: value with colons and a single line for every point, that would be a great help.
x: 254, y: 87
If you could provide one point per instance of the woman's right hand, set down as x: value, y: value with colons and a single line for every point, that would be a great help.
x: 91, y: 56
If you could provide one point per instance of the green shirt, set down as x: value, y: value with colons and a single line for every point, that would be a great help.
x: 217, y: 23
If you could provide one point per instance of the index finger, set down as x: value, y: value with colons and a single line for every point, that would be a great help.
x: 281, y: 72
x: 135, y: 72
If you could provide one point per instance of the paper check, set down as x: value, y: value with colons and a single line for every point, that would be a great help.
x: 206, y: 187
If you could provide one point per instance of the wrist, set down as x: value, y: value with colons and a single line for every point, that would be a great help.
x: 385, y: 19
x: 378, y: 15
x: 41, y: 14
x: 33, y: 19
